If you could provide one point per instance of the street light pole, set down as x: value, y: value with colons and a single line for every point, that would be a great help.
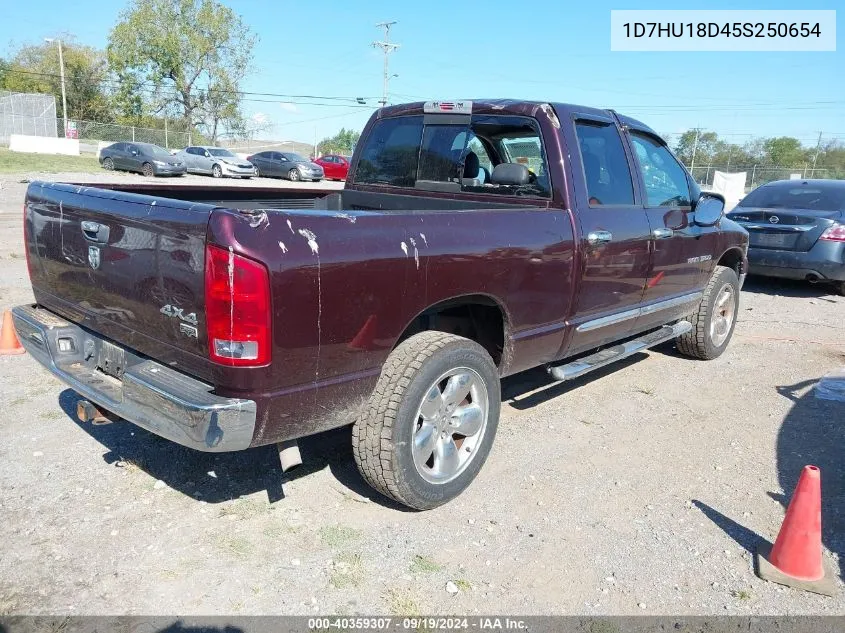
x: 50, y: 40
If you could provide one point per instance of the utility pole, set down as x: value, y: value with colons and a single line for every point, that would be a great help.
x: 815, y: 158
x: 387, y: 48
x: 50, y: 40
x: 694, y: 148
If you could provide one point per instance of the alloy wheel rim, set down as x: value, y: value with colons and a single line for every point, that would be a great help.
x: 724, y: 312
x: 450, y: 425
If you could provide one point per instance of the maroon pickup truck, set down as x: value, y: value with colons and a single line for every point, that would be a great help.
x: 473, y: 240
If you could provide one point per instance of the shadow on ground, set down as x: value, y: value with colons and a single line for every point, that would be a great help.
x: 813, y: 432
x: 220, y: 477
x: 789, y: 288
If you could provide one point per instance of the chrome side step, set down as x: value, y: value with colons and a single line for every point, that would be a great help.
x: 579, y: 367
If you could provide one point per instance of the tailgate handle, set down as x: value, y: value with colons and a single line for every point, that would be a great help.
x: 95, y: 231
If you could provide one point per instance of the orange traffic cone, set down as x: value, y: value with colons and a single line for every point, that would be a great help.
x: 9, y: 343
x: 364, y: 339
x: 796, y: 559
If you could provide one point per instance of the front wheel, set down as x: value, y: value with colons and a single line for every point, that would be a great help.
x: 108, y: 164
x: 293, y: 175
x: 216, y: 171
x: 431, y: 420
x: 147, y: 170
x: 714, y: 321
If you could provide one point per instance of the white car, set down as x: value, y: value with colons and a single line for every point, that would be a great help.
x: 215, y: 161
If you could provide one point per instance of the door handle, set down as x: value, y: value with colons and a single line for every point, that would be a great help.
x: 594, y: 238
x: 662, y: 234
x: 95, y: 231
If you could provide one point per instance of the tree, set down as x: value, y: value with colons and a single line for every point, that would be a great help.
x: 36, y: 69
x: 341, y: 143
x: 704, y: 147
x: 187, y: 57
x: 785, y: 151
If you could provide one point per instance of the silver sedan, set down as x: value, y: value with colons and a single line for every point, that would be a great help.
x: 215, y: 161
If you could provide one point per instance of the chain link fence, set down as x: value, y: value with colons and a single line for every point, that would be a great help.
x: 30, y: 114
x: 94, y: 131
x: 756, y: 175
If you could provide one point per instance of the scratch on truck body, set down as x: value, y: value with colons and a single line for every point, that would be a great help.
x: 283, y: 247
x: 346, y: 216
x: 422, y: 235
x: 404, y: 248
x: 290, y: 226
x: 315, y: 250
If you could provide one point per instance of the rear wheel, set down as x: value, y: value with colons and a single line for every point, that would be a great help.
x: 431, y: 420
x: 839, y: 287
x: 294, y: 175
x: 108, y: 164
x: 257, y: 173
x: 216, y: 171
x: 147, y: 170
x: 714, y: 321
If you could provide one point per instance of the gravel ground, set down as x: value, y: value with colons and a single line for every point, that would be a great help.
x: 640, y: 489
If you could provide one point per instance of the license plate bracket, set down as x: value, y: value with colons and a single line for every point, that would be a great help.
x: 772, y: 239
x: 111, y: 360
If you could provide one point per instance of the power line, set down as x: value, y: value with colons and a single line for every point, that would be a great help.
x: 387, y: 48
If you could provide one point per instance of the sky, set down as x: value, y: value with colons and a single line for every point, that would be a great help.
x: 550, y: 51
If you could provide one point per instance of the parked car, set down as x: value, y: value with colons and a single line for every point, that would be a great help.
x: 144, y: 158
x: 334, y: 166
x: 797, y: 230
x: 286, y: 165
x: 394, y: 305
x: 216, y: 161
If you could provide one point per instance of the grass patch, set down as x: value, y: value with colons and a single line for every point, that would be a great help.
x: 22, y: 162
x: 15, y: 256
x: 336, y: 535
x: 244, y: 509
x: 347, y: 570
x: 238, y: 546
x: 463, y: 585
x: 19, y: 401
x: 423, y: 565
x: 400, y: 602
x: 52, y: 414
x: 742, y: 594
x: 277, y: 530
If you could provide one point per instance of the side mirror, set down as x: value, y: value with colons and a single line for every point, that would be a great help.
x: 207, y: 154
x: 134, y: 152
x: 709, y: 209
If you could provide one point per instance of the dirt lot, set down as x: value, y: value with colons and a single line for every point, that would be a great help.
x: 641, y: 489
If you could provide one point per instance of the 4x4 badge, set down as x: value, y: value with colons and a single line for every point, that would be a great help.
x: 173, y: 311
x: 94, y: 257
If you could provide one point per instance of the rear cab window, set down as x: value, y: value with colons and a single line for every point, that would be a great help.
x: 795, y: 196
x: 420, y: 153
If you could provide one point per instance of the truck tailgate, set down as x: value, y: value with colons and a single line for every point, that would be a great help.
x: 128, y: 266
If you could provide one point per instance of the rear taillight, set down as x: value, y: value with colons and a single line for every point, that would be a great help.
x: 237, y: 308
x: 834, y: 233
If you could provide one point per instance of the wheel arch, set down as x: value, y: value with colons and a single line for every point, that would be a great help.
x: 479, y: 317
x: 733, y: 258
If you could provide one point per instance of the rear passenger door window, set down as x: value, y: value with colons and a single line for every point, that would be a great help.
x: 664, y: 179
x: 606, y: 171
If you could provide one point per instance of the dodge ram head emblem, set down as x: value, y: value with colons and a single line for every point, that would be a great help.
x: 94, y: 257
x: 774, y: 219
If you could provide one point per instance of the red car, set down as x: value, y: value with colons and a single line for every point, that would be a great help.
x: 336, y: 167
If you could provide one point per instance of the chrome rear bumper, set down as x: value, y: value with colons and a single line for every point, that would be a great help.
x: 149, y: 394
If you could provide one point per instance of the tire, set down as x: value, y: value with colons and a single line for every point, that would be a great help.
x: 108, y: 164
x: 148, y: 170
x: 712, y: 325
x: 294, y: 175
x: 216, y: 171
x: 839, y: 288
x: 384, y: 436
x: 257, y: 173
